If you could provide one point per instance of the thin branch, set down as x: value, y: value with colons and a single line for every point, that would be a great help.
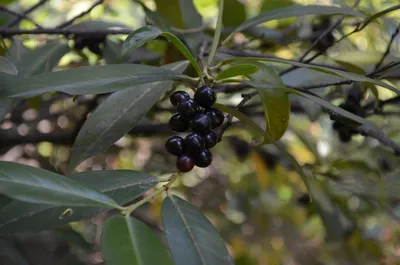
x: 388, y: 47
x: 54, y: 31
x: 29, y: 10
x: 69, y: 22
x: 3, y: 8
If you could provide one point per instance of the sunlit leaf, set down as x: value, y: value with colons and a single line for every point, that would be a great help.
x: 191, y: 237
x: 36, y: 185
x: 117, y: 115
x: 127, y: 241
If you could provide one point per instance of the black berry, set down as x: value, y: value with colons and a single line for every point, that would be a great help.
x: 194, y: 143
x: 201, y: 123
x: 184, y: 163
x: 211, y: 139
x: 178, y: 124
x: 205, y: 96
x: 178, y: 96
x: 203, y: 159
x: 188, y: 108
x: 216, y: 116
x: 175, y: 145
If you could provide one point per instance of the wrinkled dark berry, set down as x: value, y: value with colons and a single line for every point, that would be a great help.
x: 178, y: 124
x: 178, y: 96
x: 194, y: 143
x: 188, y: 108
x: 203, y: 159
x: 211, y: 139
x: 175, y: 145
x: 201, y: 124
x: 216, y: 116
x: 205, y: 96
x: 185, y: 163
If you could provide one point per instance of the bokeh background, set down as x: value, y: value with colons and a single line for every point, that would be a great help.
x: 252, y: 195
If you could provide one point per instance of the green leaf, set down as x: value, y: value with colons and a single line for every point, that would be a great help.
x: 145, y: 34
x: 275, y: 102
x: 255, y: 129
x: 293, y: 11
x: 237, y: 70
x: 138, y: 38
x: 350, y: 67
x: 42, y: 59
x: 36, y: 185
x: 233, y: 7
x: 127, y: 241
x: 9, y: 250
x: 121, y: 185
x: 217, y: 33
x: 117, y: 115
x: 192, y: 239
x: 347, y: 75
x: 180, y: 13
x: 7, y: 67
x: 89, y: 80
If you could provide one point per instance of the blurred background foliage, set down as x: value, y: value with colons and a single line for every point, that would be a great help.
x: 252, y: 195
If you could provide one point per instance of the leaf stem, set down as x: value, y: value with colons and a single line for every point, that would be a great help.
x: 217, y: 33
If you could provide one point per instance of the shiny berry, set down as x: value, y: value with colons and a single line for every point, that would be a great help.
x: 188, y: 108
x: 216, y: 116
x: 203, y: 159
x: 211, y: 139
x: 184, y: 163
x: 178, y: 124
x: 194, y: 143
x: 175, y: 145
x: 201, y: 123
x: 205, y: 96
x: 178, y: 96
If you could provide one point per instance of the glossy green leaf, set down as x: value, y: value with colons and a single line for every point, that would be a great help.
x: 128, y: 241
x: 237, y: 70
x: 217, y: 33
x: 192, y: 239
x: 138, y: 38
x: 121, y: 185
x: 293, y: 11
x: 233, y: 7
x: 344, y: 74
x: 89, y: 80
x: 7, y: 67
x: 36, y: 185
x: 275, y: 102
x: 117, y: 115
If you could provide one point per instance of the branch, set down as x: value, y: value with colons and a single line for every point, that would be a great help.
x: 388, y: 47
x: 3, y: 8
x: 69, y: 22
x: 29, y: 10
x: 54, y: 31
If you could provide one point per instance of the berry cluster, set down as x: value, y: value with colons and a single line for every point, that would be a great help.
x: 197, y: 116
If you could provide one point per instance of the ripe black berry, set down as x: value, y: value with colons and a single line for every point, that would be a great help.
x: 211, y: 139
x: 216, y: 116
x: 203, y: 159
x: 175, y: 145
x: 194, y: 143
x: 178, y: 124
x: 184, y: 163
x: 188, y: 108
x: 205, y: 96
x: 201, y: 123
x: 178, y: 96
